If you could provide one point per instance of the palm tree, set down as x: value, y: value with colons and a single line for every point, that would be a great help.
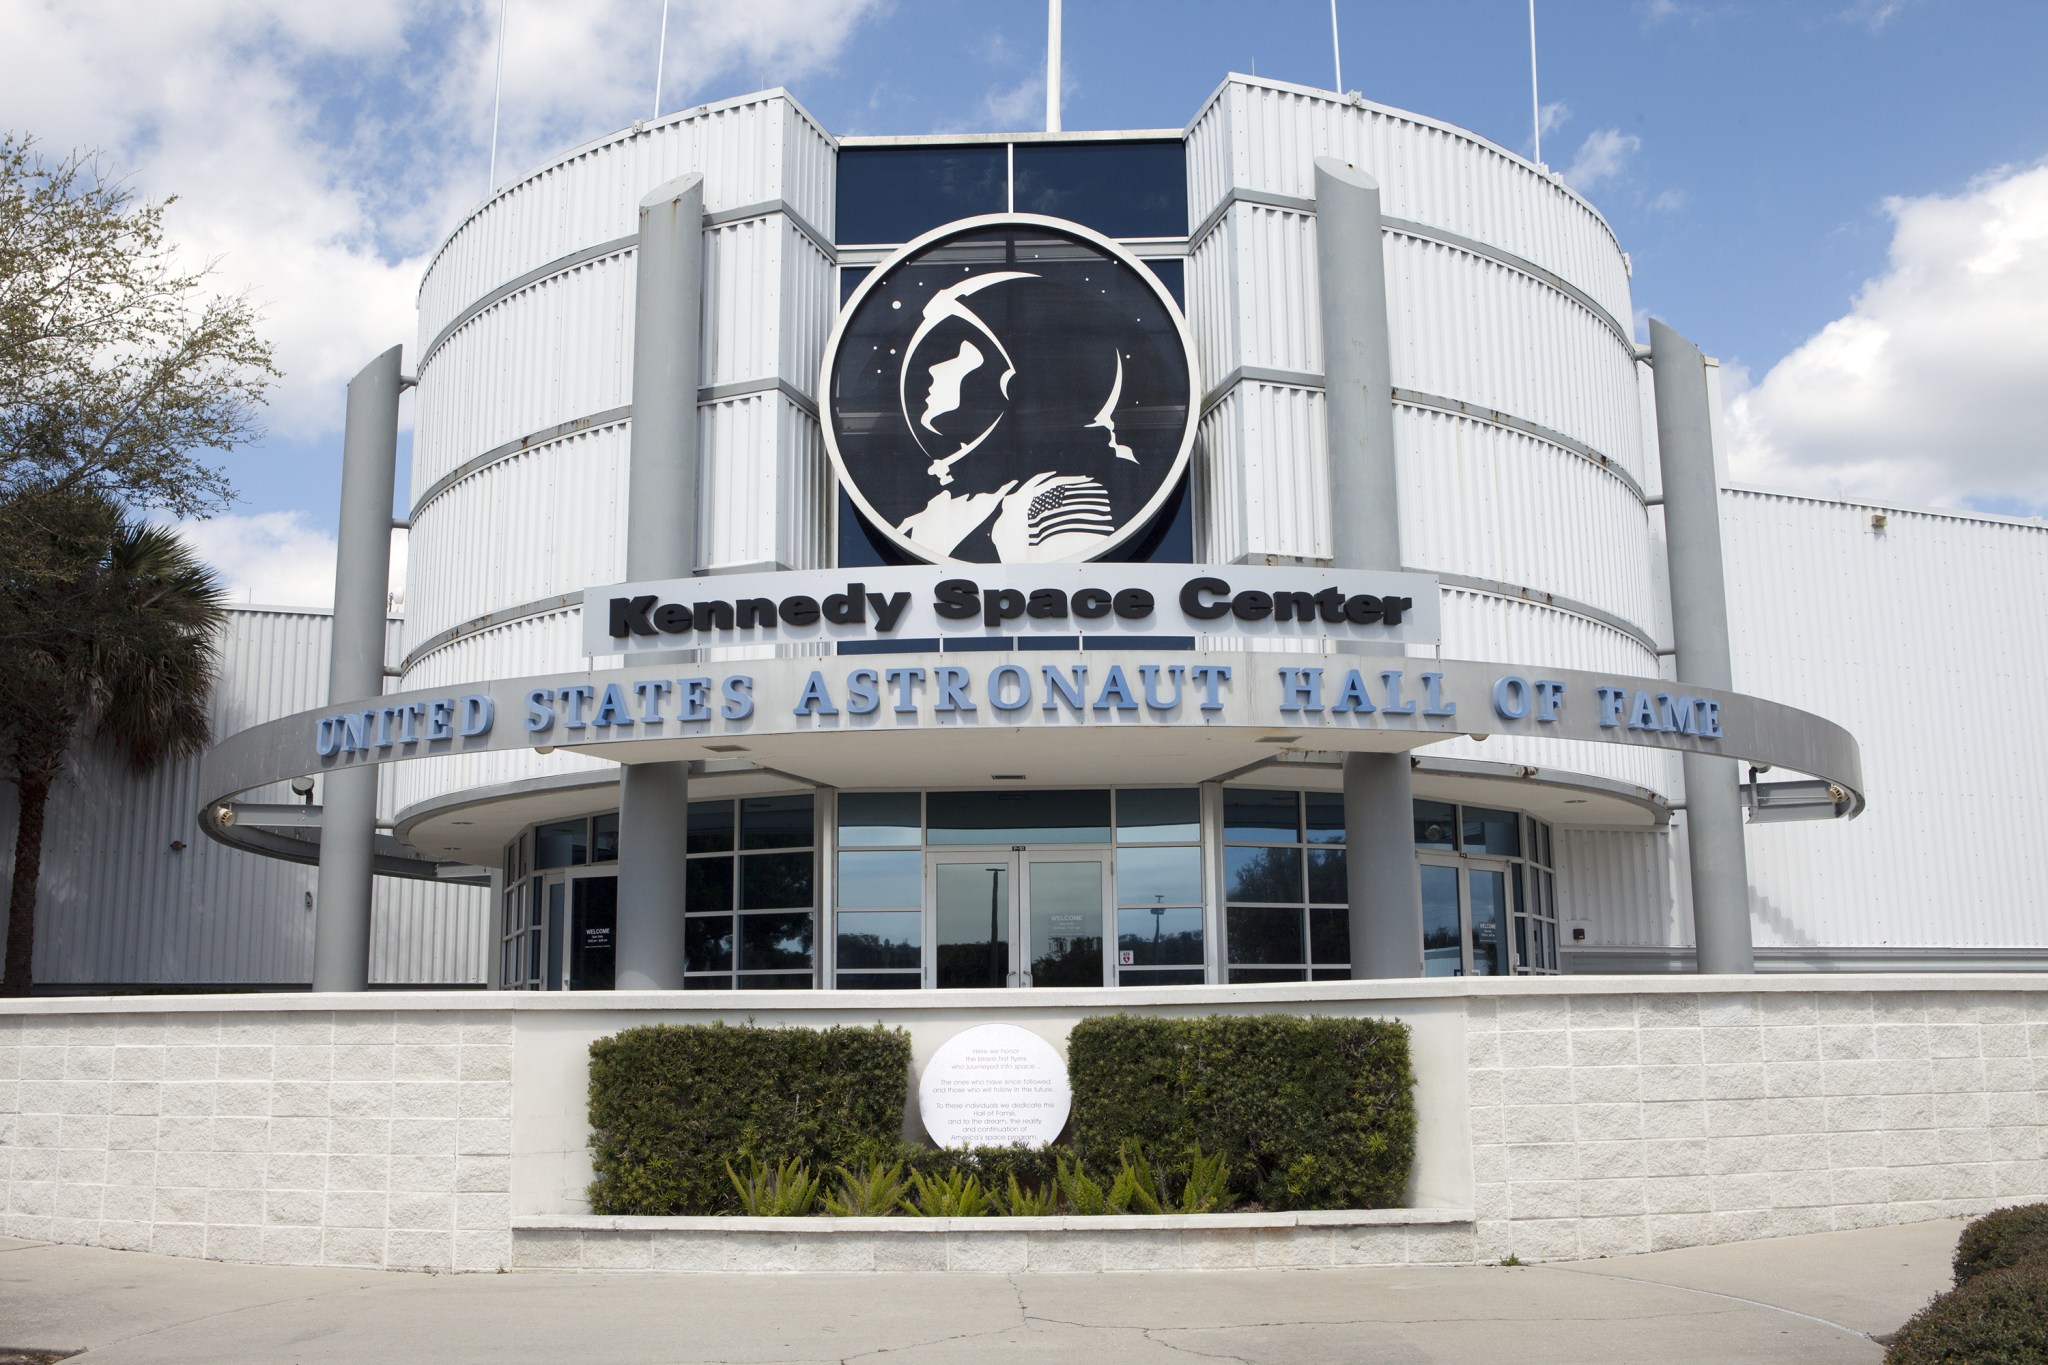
x: 108, y: 627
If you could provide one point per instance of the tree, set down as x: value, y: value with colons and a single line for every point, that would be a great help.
x: 117, y: 370
x: 118, y: 373
x: 122, y: 647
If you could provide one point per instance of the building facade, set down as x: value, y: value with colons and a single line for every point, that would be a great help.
x: 1117, y: 801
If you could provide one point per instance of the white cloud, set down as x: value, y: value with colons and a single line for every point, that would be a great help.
x: 1553, y: 115
x: 275, y: 559
x: 1871, y: 14
x: 319, y: 150
x: 1930, y: 389
x: 1668, y: 201
x: 1603, y: 156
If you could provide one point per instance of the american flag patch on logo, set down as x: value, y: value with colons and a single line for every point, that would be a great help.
x: 1081, y: 506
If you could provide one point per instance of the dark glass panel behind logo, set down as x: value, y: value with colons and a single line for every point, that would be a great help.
x: 1013, y: 392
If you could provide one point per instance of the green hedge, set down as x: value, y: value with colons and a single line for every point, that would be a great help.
x: 1312, y: 1113
x: 670, y: 1106
x: 1999, y: 1317
x: 2005, y: 1237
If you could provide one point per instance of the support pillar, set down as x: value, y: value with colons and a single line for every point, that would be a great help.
x: 661, y: 542
x: 1383, y: 883
x: 355, y: 673
x: 1699, y: 627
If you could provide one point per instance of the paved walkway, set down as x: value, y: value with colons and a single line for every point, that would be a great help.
x: 1811, y: 1300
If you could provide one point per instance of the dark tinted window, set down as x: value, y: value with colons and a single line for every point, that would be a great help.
x: 892, y: 194
x: 1121, y: 189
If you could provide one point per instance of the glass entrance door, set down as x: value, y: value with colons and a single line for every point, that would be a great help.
x: 974, y: 908
x: 1064, y: 895
x: 1464, y: 917
x: 593, y: 926
x: 1017, y: 918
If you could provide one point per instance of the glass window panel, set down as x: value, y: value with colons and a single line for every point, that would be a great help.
x: 880, y: 938
x: 973, y: 916
x: 511, y: 860
x: 1325, y: 817
x: 1259, y: 934
x: 1242, y: 976
x: 775, y: 981
x: 1330, y: 974
x: 1443, y: 950
x: 557, y: 896
x: 775, y: 881
x: 710, y: 827
x: 1326, y: 876
x: 1158, y: 815
x: 879, y: 820
x: 880, y: 981
x: 1138, y: 976
x: 1262, y: 874
x: 1329, y: 934
x: 1493, y: 831
x: 1159, y: 935
x: 1489, y: 891
x: 562, y: 844
x: 594, y: 921
x: 1436, y: 824
x: 707, y: 943
x: 768, y: 941
x: 775, y: 822
x: 1522, y: 942
x: 1261, y: 817
x: 710, y: 884
x: 1546, y: 932
x: 892, y: 194
x: 1159, y: 876
x: 881, y: 880
x: 1066, y: 922
x: 1121, y: 189
x: 1543, y: 844
x: 1026, y: 817
x: 707, y: 983
x: 604, y: 838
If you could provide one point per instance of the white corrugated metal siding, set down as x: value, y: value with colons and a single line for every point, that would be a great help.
x: 1620, y: 884
x: 119, y: 905
x: 1923, y: 639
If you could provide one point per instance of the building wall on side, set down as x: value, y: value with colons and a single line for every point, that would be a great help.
x: 118, y: 905
x: 1921, y: 637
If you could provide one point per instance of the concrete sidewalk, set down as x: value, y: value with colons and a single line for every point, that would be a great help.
x: 1810, y: 1299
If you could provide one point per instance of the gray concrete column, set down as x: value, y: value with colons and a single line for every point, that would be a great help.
x: 1699, y: 627
x: 1384, y: 885
x: 661, y: 542
x: 355, y: 672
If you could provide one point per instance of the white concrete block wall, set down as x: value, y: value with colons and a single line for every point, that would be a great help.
x: 372, y: 1138
x: 1608, y: 1124
x: 1559, y: 1119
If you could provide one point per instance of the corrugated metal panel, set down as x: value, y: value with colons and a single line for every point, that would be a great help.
x: 555, y: 351
x: 546, y: 521
x: 548, y: 643
x: 751, y: 150
x: 1620, y: 882
x: 1211, y: 282
x: 1484, y: 626
x: 118, y: 904
x: 1266, y: 470
x: 1492, y: 502
x: 1466, y: 327
x: 762, y: 482
x: 1922, y: 639
x: 1264, y: 135
x: 1279, y: 322
x: 809, y: 302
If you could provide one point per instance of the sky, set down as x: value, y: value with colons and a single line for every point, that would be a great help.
x: 1846, y: 201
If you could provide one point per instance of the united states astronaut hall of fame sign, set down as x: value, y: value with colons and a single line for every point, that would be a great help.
x: 992, y: 1085
x: 1010, y: 389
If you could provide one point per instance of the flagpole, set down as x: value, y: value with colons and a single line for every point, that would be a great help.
x: 1336, y: 50
x: 1535, y: 106
x: 1052, y: 66
x: 497, y: 98
x: 660, y: 56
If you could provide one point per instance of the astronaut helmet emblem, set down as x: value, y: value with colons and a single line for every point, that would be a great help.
x: 1010, y: 389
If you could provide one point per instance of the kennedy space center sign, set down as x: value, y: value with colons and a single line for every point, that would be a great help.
x: 1010, y: 389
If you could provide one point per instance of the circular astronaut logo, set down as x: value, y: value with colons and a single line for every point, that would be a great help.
x: 1008, y: 390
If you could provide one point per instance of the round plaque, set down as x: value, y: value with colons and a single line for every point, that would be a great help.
x: 992, y: 1085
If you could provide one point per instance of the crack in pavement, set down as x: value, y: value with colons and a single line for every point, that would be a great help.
x: 223, y: 1313
x: 1715, y: 1294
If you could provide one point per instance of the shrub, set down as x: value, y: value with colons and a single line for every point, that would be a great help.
x: 873, y: 1191
x: 788, y: 1190
x: 2000, y: 1239
x: 671, y: 1105
x: 953, y: 1195
x: 1306, y: 1112
x: 1999, y: 1317
x: 1033, y: 1168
